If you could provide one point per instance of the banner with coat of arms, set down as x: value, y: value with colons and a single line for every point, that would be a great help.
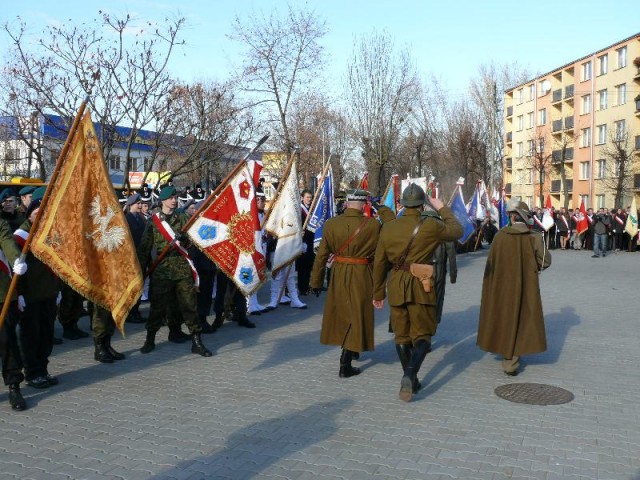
x: 228, y: 231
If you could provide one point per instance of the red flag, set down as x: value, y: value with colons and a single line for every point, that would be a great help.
x: 228, y: 231
x: 364, y: 183
x: 583, y: 223
x: 548, y: 205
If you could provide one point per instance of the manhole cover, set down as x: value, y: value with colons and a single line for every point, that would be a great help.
x: 534, y: 393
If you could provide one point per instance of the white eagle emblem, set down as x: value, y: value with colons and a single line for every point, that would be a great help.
x: 104, y: 237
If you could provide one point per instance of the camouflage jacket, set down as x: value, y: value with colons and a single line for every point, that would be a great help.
x: 173, y: 266
x: 11, y: 252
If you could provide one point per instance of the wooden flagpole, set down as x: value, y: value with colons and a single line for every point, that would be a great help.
x: 315, y: 197
x: 45, y: 199
x: 204, y: 206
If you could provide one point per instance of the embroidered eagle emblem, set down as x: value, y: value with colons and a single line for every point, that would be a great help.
x: 104, y: 237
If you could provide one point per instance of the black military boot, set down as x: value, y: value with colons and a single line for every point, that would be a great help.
x: 149, y: 343
x: 69, y: 332
x: 346, y: 370
x: 404, y: 351
x: 420, y: 350
x: 243, y: 320
x: 112, y: 351
x: 16, y: 399
x: 101, y: 353
x: 176, y: 335
x: 217, y: 323
x: 206, y: 328
x: 198, y: 347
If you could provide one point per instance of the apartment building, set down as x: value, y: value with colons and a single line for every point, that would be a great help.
x: 573, y: 133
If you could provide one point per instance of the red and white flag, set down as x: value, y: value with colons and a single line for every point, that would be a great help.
x: 582, y: 222
x: 228, y: 230
x: 547, y: 218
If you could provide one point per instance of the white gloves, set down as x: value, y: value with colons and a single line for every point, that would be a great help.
x: 19, y: 266
x: 21, y: 303
x: 59, y: 298
x: 304, y: 248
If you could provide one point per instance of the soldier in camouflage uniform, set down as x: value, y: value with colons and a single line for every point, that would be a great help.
x: 9, y: 350
x: 103, y: 329
x: 172, y: 280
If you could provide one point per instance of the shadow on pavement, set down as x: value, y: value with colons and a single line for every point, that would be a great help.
x: 264, y: 443
x: 557, y: 327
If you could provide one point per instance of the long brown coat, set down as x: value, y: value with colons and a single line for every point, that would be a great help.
x: 348, y: 311
x: 511, y: 320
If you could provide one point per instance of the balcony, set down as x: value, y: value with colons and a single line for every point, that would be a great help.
x: 509, y: 137
x: 556, y: 155
x: 556, y: 186
x: 556, y: 126
x: 508, y: 163
x: 507, y: 189
x: 568, y: 123
x: 556, y: 96
x: 509, y: 112
x: 568, y: 92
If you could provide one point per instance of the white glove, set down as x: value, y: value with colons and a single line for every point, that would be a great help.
x: 59, y: 298
x: 21, y: 303
x: 19, y: 266
x: 304, y: 248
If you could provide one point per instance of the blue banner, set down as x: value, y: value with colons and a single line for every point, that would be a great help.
x: 324, y: 208
x: 460, y: 211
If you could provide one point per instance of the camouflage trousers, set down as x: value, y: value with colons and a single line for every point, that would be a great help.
x: 173, y: 299
x: 102, y: 323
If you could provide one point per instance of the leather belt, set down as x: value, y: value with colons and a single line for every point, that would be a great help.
x: 353, y: 260
x: 405, y: 266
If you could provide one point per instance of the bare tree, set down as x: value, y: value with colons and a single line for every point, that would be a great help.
x: 282, y: 53
x: 539, y: 158
x: 381, y: 84
x: 618, y: 155
x: 123, y: 75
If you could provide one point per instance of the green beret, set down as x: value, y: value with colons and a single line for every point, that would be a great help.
x: 357, y: 195
x: 168, y: 191
x: 38, y: 193
x: 6, y: 193
x: 26, y: 190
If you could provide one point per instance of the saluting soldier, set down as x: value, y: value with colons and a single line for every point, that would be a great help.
x: 173, y: 280
x: 347, y: 321
x: 411, y: 239
x: 10, y: 213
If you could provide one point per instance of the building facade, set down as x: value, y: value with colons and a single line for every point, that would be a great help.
x: 573, y: 134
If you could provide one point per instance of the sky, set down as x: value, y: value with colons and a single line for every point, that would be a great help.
x: 447, y: 39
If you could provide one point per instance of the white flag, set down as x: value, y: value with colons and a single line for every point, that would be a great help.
x: 284, y: 221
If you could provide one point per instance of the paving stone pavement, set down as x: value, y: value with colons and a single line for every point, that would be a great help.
x: 270, y: 404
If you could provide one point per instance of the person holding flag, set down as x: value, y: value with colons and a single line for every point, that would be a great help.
x: 174, y: 280
x: 304, y: 262
x: 348, y: 243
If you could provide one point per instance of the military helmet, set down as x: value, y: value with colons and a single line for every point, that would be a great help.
x: 413, y: 196
x: 515, y: 205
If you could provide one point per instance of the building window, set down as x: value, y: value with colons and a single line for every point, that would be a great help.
x: 530, y: 147
x: 621, y: 94
x: 532, y: 92
x: 541, y: 145
x: 621, y: 57
x: 520, y: 96
x: 520, y: 122
x: 620, y: 129
x: 542, y: 116
x: 601, y: 166
x: 603, y: 64
x: 586, y: 71
x: 602, y: 99
x: 114, y: 162
x: 586, y: 137
x: 600, y: 201
x: 530, y: 120
x: 585, y: 170
x: 146, y: 164
x: 602, y: 134
x: 585, y: 199
x: 586, y: 104
x: 529, y: 202
x: 520, y: 149
x: 529, y: 176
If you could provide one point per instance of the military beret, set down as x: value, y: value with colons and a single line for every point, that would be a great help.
x: 6, y: 193
x: 357, y: 195
x: 38, y: 193
x: 167, y: 192
x: 135, y: 198
x: 26, y: 190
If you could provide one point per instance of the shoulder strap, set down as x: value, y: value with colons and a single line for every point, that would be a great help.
x: 403, y: 257
x: 353, y: 235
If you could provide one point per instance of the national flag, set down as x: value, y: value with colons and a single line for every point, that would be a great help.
x: 82, y: 234
x: 391, y: 194
x: 631, y: 227
x: 284, y: 221
x: 582, y: 223
x: 228, y: 231
x: 475, y: 210
x: 323, y: 207
x: 460, y: 211
x: 502, y: 210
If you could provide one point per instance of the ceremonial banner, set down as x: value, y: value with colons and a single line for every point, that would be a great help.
x: 323, y: 208
x: 502, y: 210
x: 284, y: 221
x: 83, y: 235
x: 391, y: 194
x: 460, y: 211
x: 631, y: 227
x: 228, y: 231
x: 582, y: 222
x: 547, y: 218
